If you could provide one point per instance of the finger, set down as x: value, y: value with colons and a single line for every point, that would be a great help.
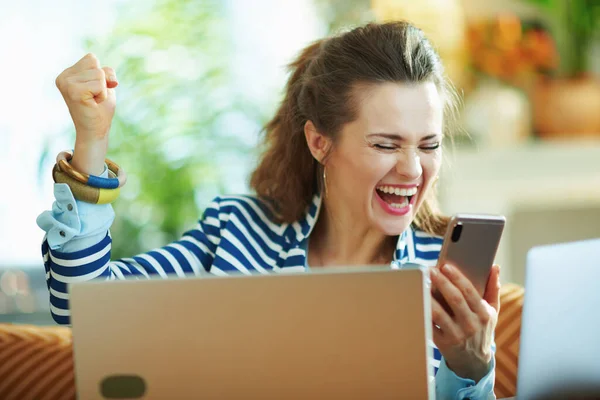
x: 111, y: 95
x: 89, y: 61
x: 88, y: 75
x: 492, y: 289
x: 94, y: 91
x: 111, y: 77
x: 438, y: 336
x: 466, y: 287
x: 443, y: 324
x: 451, y: 294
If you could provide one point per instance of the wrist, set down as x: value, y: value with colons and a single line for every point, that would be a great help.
x: 471, y: 369
x: 89, y: 156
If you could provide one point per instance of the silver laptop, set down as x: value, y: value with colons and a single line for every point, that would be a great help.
x: 354, y: 334
x: 559, y: 356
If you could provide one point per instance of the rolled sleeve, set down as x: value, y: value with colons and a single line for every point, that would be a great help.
x: 73, y: 225
x: 451, y: 386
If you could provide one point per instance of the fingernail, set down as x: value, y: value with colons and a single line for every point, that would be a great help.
x: 447, y: 269
x: 433, y: 272
x: 112, y: 78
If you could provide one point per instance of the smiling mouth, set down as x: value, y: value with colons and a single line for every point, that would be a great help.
x: 396, y: 197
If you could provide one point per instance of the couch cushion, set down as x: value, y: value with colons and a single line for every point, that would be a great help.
x: 508, y: 332
x: 37, y: 362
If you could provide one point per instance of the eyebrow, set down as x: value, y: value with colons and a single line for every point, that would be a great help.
x: 395, y: 136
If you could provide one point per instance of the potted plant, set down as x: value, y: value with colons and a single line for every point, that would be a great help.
x: 567, y: 102
x: 507, y: 54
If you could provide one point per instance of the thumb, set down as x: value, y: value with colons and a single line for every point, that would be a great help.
x: 492, y: 289
x: 111, y: 78
x: 111, y: 96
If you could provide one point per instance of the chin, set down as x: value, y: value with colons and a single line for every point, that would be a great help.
x: 393, y: 222
x: 394, y: 229
x: 393, y: 225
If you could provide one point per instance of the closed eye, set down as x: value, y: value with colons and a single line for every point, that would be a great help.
x: 384, y: 146
x: 391, y: 147
x: 430, y: 147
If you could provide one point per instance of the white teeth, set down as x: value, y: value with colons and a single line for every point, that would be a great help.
x: 398, y: 191
x: 403, y: 204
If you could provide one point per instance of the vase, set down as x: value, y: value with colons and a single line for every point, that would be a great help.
x: 497, y: 114
x: 567, y: 108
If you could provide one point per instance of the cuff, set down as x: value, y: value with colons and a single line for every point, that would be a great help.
x: 451, y: 386
x: 72, y: 219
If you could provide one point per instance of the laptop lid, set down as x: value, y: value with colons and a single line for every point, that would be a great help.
x: 349, y: 334
x: 559, y: 354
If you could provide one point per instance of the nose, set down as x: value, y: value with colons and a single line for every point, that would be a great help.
x: 408, y: 164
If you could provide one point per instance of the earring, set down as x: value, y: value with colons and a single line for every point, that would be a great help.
x: 325, y: 180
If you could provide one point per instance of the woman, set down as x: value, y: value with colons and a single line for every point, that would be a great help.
x: 347, y: 177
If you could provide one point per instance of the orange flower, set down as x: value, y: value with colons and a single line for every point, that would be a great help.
x: 504, y: 48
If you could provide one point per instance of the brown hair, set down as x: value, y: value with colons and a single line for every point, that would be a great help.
x: 320, y: 90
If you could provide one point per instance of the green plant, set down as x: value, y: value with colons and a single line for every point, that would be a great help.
x: 576, y: 23
x: 171, y: 58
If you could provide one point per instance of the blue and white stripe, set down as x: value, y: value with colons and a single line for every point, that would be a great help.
x: 235, y: 234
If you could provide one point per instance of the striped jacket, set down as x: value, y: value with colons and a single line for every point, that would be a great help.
x: 235, y: 234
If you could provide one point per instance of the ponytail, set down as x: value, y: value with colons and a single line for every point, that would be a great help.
x: 286, y: 172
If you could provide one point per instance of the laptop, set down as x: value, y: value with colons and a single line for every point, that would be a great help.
x: 343, y: 334
x: 559, y: 354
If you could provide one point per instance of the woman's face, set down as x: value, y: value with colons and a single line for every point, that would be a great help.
x: 385, y: 162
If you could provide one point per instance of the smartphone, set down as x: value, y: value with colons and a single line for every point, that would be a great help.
x: 470, y: 244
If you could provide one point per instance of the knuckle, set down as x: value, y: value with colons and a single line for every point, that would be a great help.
x: 91, y: 57
x: 99, y: 74
x: 485, y: 318
x: 455, y: 298
x: 470, y: 330
x: 469, y: 291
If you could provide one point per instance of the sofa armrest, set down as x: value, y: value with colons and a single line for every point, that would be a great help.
x: 508, y: 331
x: 37, y: 362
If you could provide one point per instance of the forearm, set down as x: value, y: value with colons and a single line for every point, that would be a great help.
x: 89, y: 156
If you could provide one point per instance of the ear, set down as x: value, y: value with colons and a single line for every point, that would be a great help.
x: 318, y: 143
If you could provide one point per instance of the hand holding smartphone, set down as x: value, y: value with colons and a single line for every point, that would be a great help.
x: 470, y: 244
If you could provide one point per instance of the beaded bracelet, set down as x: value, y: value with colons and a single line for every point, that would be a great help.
x: 84, y: 192
x: 63, y: 158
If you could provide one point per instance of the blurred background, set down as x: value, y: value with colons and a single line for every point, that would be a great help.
x: 199, y: 78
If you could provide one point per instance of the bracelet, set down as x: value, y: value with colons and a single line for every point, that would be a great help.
x: 84, y: 192
x: 63, y: 158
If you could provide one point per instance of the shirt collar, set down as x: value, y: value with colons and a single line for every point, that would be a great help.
x: 304, y: 227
